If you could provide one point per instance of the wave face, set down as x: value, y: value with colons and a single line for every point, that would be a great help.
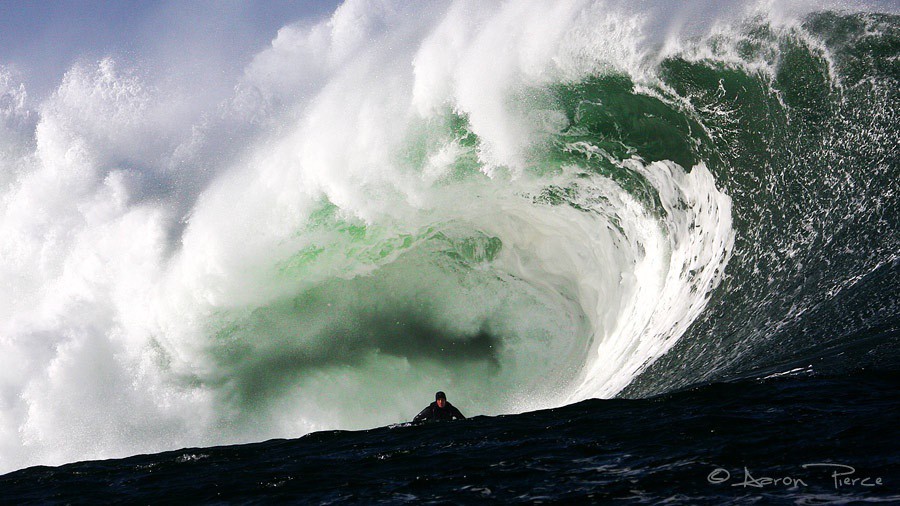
x: 524, y: 206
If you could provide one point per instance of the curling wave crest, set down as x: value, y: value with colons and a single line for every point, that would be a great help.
x: 508, y: 202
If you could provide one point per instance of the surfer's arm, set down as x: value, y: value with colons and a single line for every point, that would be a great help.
x: 457, y: 414
x: 423, y: 415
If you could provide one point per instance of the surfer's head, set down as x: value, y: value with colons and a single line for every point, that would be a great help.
x: 440, y: 398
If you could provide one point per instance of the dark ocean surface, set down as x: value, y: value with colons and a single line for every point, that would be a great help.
x: 794, y: 439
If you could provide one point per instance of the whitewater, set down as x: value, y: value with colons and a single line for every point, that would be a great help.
x: 524, y: 204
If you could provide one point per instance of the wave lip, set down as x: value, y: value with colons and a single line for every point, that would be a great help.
x: 522, y: 205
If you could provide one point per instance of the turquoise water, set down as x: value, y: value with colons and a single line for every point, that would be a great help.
x: 526, y: 207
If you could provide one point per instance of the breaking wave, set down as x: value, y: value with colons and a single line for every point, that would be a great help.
x: 525, y: 206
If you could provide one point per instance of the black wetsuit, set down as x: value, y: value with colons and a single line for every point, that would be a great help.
x: 435, y: 414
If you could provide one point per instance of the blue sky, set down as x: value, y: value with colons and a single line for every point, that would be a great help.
x: 40, y: 40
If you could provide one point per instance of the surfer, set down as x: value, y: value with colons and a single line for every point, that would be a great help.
x: 439, y: 410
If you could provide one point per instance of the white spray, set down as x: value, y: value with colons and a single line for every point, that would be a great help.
x: 155, y: 290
